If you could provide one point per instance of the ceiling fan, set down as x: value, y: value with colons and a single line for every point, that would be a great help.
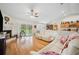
x: 33, y: 12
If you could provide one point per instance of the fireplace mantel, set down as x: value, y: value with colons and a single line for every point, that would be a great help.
x: 8, y: 32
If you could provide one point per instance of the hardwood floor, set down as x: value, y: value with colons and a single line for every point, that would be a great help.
x: 14, y: 49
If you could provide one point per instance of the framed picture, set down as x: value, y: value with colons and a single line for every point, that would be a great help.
x: 6, y: 19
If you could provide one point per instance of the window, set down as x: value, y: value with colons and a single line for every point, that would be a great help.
x: 26, y: 30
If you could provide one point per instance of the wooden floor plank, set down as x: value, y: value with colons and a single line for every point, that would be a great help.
x: 13, y: 49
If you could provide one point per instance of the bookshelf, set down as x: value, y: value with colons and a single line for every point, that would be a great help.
x: 69, y: 25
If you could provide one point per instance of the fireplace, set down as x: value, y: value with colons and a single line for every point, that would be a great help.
x: 8, y: 33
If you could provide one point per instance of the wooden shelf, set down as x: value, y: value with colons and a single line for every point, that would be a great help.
x: 70, y: 26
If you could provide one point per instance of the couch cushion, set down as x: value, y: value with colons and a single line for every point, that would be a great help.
x: 73, y: 36
x: 49, y: 53
x: 63, y: 39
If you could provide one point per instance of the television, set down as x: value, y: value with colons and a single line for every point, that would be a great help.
x: 1, y: 22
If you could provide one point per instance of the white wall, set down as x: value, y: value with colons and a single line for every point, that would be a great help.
x: 51, y: 13
x: 14, y: 24
x: 41, y: 27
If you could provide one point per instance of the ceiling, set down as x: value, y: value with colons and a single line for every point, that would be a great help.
x: 47, y: 11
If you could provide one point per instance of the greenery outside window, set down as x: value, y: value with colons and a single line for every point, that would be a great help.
x: 26, y: 30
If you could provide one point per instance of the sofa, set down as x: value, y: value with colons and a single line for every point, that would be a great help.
x: 56, y: 47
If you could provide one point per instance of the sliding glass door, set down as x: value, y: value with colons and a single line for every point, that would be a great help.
x: 26, y: 30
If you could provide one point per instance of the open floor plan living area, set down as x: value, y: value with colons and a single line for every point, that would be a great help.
x: 39, y: 28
